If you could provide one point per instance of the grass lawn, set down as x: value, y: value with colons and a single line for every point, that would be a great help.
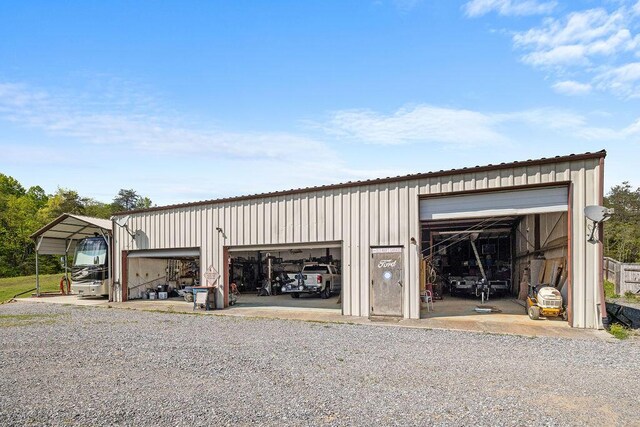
x: 609, y: 289
x: 14, y: 285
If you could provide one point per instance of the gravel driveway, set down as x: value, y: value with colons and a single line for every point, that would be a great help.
x: 64, y: 365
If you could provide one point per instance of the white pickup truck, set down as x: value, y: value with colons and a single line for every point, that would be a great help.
x: 318, y: 279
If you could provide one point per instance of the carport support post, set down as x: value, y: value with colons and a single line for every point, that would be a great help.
x: 37, y: 276
x: 38, y: 242
x: 66, y: 260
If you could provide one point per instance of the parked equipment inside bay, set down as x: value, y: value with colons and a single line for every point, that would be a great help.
x: 511, y: 235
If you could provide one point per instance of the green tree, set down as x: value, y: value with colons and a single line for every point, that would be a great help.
x: 144, y: 203
x: 64, y: 201
x: 622, y: 231
x: 97, y: 209
x: 38, y: 195
x: 18, y: 220
x: 10, y: 186
x: 126, y: 200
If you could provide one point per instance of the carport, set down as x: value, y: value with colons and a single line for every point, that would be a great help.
x: 61, y: 235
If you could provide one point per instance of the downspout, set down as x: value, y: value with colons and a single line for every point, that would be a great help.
x: 107, y: 238
x: 570, y: 257
x: 602, y: 306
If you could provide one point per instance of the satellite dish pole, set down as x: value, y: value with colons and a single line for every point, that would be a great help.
x: 597, y: 214
x: 122, y: 223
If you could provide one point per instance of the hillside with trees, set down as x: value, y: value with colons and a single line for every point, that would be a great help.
x: 24, y: 211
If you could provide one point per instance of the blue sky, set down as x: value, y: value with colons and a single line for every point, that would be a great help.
x: 186, y: 101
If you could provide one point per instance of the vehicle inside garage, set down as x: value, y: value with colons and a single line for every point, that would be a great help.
x: 499, y: 264
x: 464, y: 252
x: 286, y: 277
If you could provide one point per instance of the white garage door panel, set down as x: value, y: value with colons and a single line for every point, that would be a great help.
x: 283, y: 247
x: 516, y: 202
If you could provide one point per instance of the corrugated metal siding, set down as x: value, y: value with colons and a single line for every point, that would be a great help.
x: 361, y: 217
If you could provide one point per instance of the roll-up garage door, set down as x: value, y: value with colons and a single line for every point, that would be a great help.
x: 302, y: 246
x: 165, y: 253
x: 499, y: 203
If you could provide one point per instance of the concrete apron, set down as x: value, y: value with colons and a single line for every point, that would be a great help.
x: 495, y: 323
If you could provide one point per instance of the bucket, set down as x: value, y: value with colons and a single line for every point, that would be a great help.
x: 152, y: 295
x: 163, y: 295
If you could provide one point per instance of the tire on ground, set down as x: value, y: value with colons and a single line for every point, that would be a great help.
x: 534, y: 312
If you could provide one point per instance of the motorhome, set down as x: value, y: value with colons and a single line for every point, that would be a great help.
x: 90, y: 272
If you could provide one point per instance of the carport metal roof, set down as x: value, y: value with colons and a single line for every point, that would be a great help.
x: 73, y: 227
x: 55, y: 237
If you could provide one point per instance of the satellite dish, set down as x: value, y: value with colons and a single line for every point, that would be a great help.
x: 122, y: 222
x: 598, y: 213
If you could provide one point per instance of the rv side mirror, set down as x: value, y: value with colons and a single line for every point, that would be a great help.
x: 96, y: 260
x: 62, y: 261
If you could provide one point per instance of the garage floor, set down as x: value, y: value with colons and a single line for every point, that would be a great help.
x: 459, y: 314
x: 251, y: 300
x: 457, y: 306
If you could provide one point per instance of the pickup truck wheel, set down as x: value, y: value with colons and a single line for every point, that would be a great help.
x: 326, y: 292
x: 295, y: 295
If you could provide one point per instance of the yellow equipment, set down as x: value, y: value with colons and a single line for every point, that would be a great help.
x: 545, y: 301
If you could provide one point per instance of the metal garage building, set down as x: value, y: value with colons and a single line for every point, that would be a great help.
x: 385, y: 216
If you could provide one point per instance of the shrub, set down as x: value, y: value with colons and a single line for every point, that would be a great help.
x: 619, y: 331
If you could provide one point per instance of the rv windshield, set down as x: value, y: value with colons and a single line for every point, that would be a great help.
x: 90, y: 250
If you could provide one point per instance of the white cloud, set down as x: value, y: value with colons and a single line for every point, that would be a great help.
x: 570, y: 87
x: 436, y: 126
x: 138, y: 131
x: 623, y: 80
x: 475, y: 8
x: 559, y: 56
x: 561, y: 123
x: 597, y: 46
x: 59, y: 115
x: 423, y: 123
x: 576, y: 39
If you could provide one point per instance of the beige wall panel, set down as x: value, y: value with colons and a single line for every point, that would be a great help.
x: 345, y: 216
x: 312, y: 221
x: 353, y: 231
x: 364, y: 245
x: 321, y: 215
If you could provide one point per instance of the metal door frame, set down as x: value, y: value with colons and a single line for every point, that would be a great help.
x: 402, y: 296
